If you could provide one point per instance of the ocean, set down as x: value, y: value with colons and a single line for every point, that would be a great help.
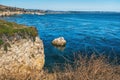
x: 84, y: 32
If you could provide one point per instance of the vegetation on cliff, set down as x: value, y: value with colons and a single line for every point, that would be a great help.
x: 11, y: 29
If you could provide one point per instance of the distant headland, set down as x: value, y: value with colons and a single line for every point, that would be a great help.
x: 9, y: 11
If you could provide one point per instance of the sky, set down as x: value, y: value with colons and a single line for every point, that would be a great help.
x: 66, y: 5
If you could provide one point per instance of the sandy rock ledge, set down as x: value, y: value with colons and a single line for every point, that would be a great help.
x: 23, y: 57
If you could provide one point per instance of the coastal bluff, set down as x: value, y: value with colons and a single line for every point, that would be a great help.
x: 21, y: 50
x: 11, y: 11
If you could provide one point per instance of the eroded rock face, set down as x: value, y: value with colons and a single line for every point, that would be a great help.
x: 59, y: 41
x: 23, y: 57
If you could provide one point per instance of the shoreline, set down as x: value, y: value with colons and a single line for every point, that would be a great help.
x: 94, y: 67
x: 8, y: 13
x: 20, y: 46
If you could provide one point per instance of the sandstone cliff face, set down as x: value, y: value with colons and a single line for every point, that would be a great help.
x: 22, y: 57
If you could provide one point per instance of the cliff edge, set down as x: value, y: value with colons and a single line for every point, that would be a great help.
x: 21, y: 50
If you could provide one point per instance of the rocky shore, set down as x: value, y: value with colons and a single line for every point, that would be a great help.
x: 21, y: 51
x: 2, y: 14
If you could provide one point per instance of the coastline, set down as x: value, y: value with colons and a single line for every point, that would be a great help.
x: 8, y: 13
x: 20, y: 47
x: 25, y: 60
x: 22, y: 54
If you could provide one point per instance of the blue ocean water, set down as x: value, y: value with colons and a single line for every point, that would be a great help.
x: 84, y: 32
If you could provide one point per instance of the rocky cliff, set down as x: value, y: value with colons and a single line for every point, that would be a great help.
x: 9, y: 11
x: 21, y: 52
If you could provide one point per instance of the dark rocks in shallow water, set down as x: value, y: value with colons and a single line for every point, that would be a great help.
x: 61, y: 48
x: 59, y: 42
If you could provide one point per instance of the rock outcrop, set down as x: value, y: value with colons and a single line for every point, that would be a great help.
x: 21, y: 51
x: 23, y: 57
x: 59, y: 41
x: 8, y: 13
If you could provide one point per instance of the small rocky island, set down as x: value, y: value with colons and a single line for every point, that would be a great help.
x: 60, y: 42
x: 21, y: 50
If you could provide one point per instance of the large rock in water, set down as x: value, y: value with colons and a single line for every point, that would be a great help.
x: 23, y: 57
x: 59, y: 41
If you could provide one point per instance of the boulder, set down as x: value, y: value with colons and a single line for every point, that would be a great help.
x: 59, y: 41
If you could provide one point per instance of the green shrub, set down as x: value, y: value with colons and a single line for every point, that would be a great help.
x: 6, y: 46
x: 11, y: 28
x: 1, y: 42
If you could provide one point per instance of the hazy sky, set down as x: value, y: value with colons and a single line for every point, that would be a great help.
x: 89, y: 5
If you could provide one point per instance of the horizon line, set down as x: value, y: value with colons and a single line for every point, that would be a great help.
x: 64, y: 10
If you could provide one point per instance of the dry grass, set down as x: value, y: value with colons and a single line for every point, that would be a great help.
x: 82, y: 68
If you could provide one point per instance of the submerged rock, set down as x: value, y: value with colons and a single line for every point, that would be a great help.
x: 61, y: 48
x: 59, y: 41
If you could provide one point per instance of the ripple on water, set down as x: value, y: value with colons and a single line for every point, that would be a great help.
x: 83, y: 32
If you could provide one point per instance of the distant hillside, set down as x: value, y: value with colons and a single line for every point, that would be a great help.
x: 12, y: 9
x: 8, y: 8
